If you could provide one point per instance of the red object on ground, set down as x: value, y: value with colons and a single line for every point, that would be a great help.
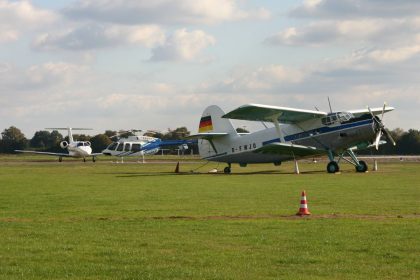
x: 303, y: 210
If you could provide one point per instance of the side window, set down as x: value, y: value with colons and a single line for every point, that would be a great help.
x: 135, y: 147
x: 127, y: 147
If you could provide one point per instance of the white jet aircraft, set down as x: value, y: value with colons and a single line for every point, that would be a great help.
x: 77, y: 149
x: 296, y: 134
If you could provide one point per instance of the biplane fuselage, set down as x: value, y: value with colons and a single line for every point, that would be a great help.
x: 304, y: 134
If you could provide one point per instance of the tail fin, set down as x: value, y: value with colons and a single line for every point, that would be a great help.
x: 214, y: 132
x: 212, y: 121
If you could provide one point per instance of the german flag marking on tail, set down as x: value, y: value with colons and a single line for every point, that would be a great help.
x: 205, y: 124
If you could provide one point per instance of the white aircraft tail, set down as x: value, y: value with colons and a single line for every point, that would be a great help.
x: 215, y: 132
x: 69, y: 130
x: 212, y: 122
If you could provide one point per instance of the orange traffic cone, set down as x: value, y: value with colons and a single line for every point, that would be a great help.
x: 177, y: 168
x: 303, y: 210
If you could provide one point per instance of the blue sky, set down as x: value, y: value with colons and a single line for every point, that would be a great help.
x: 157, y: 64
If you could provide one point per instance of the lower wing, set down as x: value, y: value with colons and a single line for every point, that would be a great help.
x: 289, y: 149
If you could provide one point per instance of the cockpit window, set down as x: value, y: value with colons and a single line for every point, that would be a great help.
x: 79, y: 144
x: 120, y: 147
x: 112, y: 146
x: 336, y: 117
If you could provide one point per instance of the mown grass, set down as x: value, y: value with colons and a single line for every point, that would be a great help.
x: 131, y: 221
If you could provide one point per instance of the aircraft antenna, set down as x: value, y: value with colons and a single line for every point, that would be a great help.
x: 329, y: 103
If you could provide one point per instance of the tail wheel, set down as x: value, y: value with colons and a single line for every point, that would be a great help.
x: 362, y: 167
x: 333, y: 167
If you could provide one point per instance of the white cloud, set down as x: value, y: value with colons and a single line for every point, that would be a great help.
x: 264, y: 78
x: 162, y: 11
x: 327, y: 9
x: 94, y: 36
x: 19, y: 16
x: 371, y: 30
x: 182, y: 46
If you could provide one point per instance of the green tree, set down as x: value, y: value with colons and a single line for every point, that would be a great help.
x: 100, y: 142
x: 13, y: 139
x: 178, y: 133
x: 409, y: 143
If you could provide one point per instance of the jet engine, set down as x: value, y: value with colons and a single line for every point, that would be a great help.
x: 64, y: 144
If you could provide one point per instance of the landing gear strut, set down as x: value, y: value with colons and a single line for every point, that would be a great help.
x: 227, y: 169
x: 333, y: 166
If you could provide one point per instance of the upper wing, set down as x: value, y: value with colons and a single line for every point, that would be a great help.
x: 375, y: 111
x: 207, y: 136
x: 44, y: 153
x: 289, y: 149
x: 266, y: 113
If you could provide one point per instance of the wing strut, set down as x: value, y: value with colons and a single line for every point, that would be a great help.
x: 277, y: 125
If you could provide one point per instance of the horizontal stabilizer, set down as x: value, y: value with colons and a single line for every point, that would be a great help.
x: 207, y: 136
x: 66, y: 128
x: 266, y: 113
x: 289, y: 149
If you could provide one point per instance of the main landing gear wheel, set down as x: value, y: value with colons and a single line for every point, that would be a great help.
x: 94, y: 159
x: 84, y: 159
x: 227, y: 170
x: 60, y: 159
x: 362, y: 167
x: 333, y: 167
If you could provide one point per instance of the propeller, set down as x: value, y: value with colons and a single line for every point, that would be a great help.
x: 381, y: 127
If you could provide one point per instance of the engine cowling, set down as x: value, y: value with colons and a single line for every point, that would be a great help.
x: 64, y: 144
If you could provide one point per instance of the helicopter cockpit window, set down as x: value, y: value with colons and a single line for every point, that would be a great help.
x: 120, y: 147
x: 127, y: 147
x: 79, y: 144
x: 112, y: 146
x: 135, y: 147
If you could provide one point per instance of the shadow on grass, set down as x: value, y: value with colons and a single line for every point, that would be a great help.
x: 269, y: 172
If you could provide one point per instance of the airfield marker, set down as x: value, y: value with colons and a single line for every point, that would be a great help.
x: 303, y: 210
x: 375, y: 165
x: 296, y: 167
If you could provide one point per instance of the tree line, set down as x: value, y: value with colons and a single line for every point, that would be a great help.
x: 13, y: 139
x: 408, y: 142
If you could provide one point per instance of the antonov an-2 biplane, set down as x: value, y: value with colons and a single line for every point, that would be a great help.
x: 296, y: 134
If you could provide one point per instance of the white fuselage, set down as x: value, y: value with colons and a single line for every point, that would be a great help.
x: 79, y: 149
x: 131, y: 146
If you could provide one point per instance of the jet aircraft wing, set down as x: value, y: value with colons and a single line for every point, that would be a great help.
x: 289, y: 149
x: 266, y: 113
x: 44, y: 153
x: 375, y: 111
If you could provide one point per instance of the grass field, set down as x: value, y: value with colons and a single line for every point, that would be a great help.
x: 100, y: 220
